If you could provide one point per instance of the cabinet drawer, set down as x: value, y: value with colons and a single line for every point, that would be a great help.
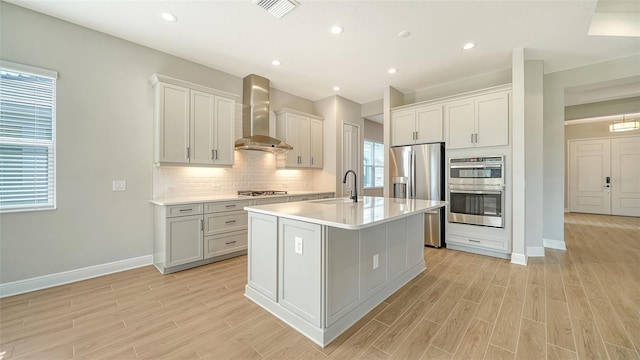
x: 184, y: 210
x: 303, y: 198
x: 224, y: 244
x: 214, y: 207
x: 271, y: 200
x: 491, y: 244
x: 224, y: 222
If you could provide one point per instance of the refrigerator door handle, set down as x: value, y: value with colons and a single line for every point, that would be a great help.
x: 413, y: 175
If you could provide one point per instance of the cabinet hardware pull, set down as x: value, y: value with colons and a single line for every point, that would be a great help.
x: 230, y: 242
x: 230, y: 222
x: 188, y: 153
x: 213, y: 157
x: 229, y: 206
x: 312, y: 161
x: 476, y: 138
x: 216, y: 154
x: 472, y: 138
x: 475, y: 241
x: 201, y: 224
x: 185, y: 210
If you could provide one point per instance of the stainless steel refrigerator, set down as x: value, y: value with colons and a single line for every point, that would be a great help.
x: 417, y: 171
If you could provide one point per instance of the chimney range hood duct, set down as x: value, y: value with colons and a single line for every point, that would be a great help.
x: 255, y: 118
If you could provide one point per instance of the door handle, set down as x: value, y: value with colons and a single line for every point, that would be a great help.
x: 607, y: 182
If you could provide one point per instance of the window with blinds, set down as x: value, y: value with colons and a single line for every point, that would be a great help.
x: 27, y: 138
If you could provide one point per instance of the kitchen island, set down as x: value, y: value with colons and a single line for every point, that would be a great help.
x: 322, y: 265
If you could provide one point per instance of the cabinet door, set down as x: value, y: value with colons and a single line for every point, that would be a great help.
x: 292, y: 136
x: 403, y: 127
x: 173, y: 126
x: 429, y: 125
x: 492, y: 117
x: 316, y: 144
x: 415, y: 238
x: 202, y: 127
x: 224, y: 137
x: 460, y: 124
x: 304, y: 136
x: 184, y: 239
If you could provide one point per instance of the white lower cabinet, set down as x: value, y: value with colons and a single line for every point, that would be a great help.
x: 225, y: 243
x: 184, y: 239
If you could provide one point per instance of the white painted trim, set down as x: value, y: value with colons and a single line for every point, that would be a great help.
x: 519, y: 259
x: 554, y: 244
x: 567, y: 210
x: 535, y: 251
x: 66, y: 277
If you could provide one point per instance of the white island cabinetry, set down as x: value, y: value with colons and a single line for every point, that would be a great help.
x: 322, y: 265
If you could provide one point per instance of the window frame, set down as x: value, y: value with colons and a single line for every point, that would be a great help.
x: 50, y: 145
x: 372, y: 166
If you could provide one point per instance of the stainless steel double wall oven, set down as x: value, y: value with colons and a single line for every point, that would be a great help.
x: 476, y: 190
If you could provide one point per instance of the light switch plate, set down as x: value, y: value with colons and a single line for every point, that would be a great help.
x: 298, y: 245
x: 119, y: 185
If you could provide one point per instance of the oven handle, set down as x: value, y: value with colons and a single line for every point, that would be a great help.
x: 480, y: 192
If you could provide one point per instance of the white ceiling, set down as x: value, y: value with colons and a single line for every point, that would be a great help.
x: 240, y: 38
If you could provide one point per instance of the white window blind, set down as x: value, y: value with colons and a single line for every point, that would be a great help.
x: 27, y: 137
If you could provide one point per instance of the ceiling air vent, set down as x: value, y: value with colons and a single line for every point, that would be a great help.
x: 277, y: 8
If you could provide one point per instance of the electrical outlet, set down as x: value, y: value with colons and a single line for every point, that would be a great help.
x: 119, y: 185
x: 298, y: 245
x: 376, y: 262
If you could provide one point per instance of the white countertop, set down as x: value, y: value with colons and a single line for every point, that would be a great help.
x: 215, y: 198
x: 344, y: 213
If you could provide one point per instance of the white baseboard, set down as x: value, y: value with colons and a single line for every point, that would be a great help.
x: 519, y: 259
x: 554, y: 244
x: 567, y: 210
x: 535, y: 251
x: 66, y: 277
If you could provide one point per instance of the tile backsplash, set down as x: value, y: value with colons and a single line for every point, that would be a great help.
x: 253, y: 170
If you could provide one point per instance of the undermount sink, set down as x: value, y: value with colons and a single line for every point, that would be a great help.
x: 336, y: 201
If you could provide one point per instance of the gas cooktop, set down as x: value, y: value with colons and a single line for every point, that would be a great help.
x: 261, y: 192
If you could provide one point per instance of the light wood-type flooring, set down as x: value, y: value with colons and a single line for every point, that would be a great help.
x: 580, y: 304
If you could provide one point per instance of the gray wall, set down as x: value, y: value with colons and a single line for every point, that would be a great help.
x: 603, y: 108
x: 279, y: 99
x: 373, y: 131
x: 104, y: 132
x: 553, y: 172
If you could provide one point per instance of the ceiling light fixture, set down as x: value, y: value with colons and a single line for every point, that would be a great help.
x: 336, y: 88
x: 169, y: 17
x: 276, y: 63
x: 337, y: 29
x: 617, y: 126
x: 468, y: 46
x: 392, y: 71
x: 404, y: 33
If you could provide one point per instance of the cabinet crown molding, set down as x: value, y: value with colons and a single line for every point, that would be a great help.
x: 296, y: 112
x: 156, y: 78
x: 454, y: 97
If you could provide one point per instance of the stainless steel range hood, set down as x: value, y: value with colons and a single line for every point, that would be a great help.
x: 255, y: 118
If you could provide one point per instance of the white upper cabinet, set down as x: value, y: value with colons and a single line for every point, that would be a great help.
x: 316, y: 143
x: 194, y: 124
x: 417, y: 125
x: 478, y: 121
x: 304, y: 133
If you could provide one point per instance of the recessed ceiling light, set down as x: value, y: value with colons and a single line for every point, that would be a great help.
x: 392, y: 70
x: 337, y: 29
x: 169, y: 17
x: 469, y: 46
x: 276, y: 62
x: 336, y: 88
x: 404, y: 33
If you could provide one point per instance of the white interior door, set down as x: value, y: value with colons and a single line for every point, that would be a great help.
x: 625, y: 176
x: 589, y: 168
x: 350, y: 155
